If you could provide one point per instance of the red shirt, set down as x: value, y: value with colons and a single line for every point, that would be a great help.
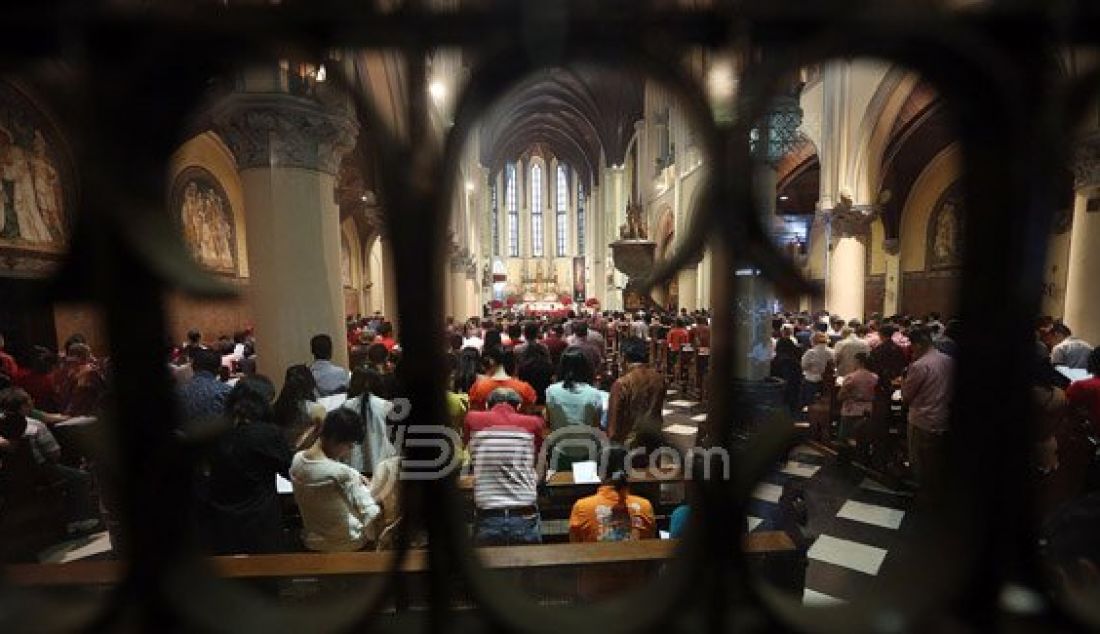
x: 40, y: 387
x: 389, y: 342
x: 8, y: 365
x: 504, y: 415
x: 678, y: 338
x: 1086, y: 394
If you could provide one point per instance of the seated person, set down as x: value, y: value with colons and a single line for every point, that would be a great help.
x: 75, y: 484
x: 374, y: 446
x: 611, y: 515
x: 243, y: 505
x: 334, y: 499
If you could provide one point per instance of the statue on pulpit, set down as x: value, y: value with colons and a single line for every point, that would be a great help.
x: 635, y: 228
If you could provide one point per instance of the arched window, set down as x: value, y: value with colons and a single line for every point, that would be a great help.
x: 513, y: 209
x: 563, y: 209
x: 494, y: 218
x: 580, y: 219
x: 536, y: 211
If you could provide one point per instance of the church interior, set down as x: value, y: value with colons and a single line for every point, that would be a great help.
x: 783, y: 329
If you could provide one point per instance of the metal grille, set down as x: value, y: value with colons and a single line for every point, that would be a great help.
x: 142, y: 68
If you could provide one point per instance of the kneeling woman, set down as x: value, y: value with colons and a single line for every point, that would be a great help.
x: 334, y: 499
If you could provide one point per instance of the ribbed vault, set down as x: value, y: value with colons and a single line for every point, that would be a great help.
x: 581, y: 115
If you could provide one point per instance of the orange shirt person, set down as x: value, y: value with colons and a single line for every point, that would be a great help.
x: 496, y: 377
x: 611, y: 515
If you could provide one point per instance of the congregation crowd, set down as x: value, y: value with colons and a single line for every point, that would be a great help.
x: 527, y: 397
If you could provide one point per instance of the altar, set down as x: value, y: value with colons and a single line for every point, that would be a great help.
x: 544, y: 308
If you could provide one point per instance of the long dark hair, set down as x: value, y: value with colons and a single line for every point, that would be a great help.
x: 533, y: 352
x: 298, y: 386
x: 575, y: 367
x: 469, y: 362
x: 360, y: 386
x: 250, y: 400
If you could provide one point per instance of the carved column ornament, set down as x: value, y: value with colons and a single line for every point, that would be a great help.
x: 284, y: 131
x: 891, y: 246
x: 848, y: 220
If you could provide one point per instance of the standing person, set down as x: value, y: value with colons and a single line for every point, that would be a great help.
x: 496, y: 376
x: 702, y: 332
x: 331, y: 378
x: 555, y: 343
x: 927, y: 390
x: 203, y: 397
x: 473, y: 337
x: 337, y: 508
x: 787, y: 365
x: 244, y: 513
x: 466, y: 374
x: 297, y: 411
x: 1068, y: 350
x: 385, y: 336
x: 847, y: 348
x: 573, y: 402
x: 637, y: 397
x: 639, y: 328
x: 857, y: 397
x: 533, y: 366
x: 815, y: 363
x: 582, y: 337
x: 503, y: 448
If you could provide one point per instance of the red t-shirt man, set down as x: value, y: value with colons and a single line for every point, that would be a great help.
x: 678, y: 337
x: 1086, y: 394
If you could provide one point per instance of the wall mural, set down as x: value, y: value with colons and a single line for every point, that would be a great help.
x: 946, y: 230
x: 33, y: 208
x: 201, y: 207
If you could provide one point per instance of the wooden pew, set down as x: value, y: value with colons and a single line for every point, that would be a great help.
x: 85, y: 573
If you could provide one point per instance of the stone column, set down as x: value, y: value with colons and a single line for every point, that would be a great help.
x: 688, y: 283
x: 1082, y: 287
x: 892, y: 295
x: 457, y: 286
x: 288, y: 150
x: 850, y: 229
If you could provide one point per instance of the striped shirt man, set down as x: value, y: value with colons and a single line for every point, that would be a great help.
x: 504, y: 446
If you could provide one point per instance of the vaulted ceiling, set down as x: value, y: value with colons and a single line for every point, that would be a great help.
x: 578, y: 114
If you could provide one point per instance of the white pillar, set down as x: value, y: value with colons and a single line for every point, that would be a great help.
x: 1082, y: 287
x: 846, y: 277
x: 288, y: 150
x: 892, y: 295
x: 688, y: 287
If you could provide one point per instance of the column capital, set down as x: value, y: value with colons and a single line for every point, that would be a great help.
x: 275, y: 130
x: 1086, y: 162
x: 848, y: 220
x: 892, y: 246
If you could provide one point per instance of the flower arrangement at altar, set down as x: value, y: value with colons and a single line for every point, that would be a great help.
x: 591, y: 302
x: 511, y: 300
x: 565, y: 299
x: 496, y: 304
